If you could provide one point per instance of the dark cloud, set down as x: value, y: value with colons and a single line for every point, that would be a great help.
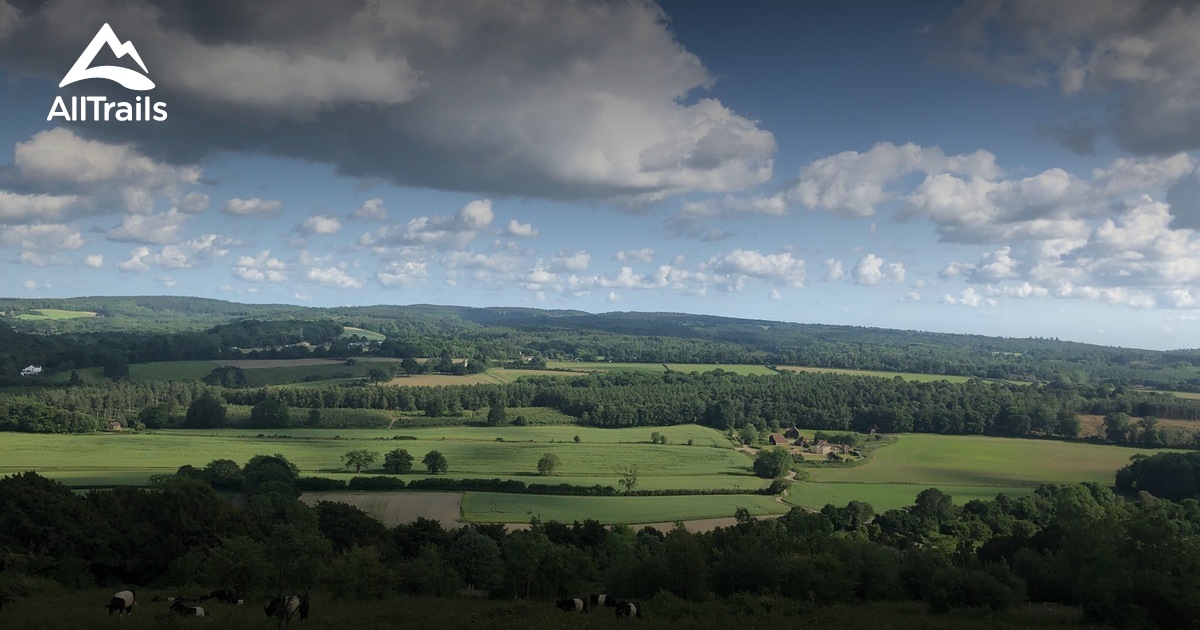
x: 563, y: 100
x: 1078, y: 136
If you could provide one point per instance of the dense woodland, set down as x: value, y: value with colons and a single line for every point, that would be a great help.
x: 1126, y: 563
x: 143, y: 329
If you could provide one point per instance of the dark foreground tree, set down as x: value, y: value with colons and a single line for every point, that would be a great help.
x: 397, y: 461
x: 270, y: 414
x: 435, y: 462
x: 205, y: 412
x: 772, y: 462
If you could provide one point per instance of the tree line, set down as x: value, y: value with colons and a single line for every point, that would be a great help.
x: 1128, y: 563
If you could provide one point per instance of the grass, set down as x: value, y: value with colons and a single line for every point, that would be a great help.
x: 104, y: 458
x: 887, y: 496
x: 745, y: 370
x: 55, y: 313
x: 1188, y: 395
x: 489, y: 507
x: 369, y: 335
x: 908, y: 376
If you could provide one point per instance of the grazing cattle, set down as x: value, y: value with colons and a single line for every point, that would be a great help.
x: 183, y: 610
x: 122, y: 603
x: 628, y: 609
x: 571, y: 605
x: 601, y: 601
x: 282, y: 608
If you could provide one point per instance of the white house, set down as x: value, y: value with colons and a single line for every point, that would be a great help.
x: 31, y: 370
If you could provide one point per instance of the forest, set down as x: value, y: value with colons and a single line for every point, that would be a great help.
x: 1128, y: 563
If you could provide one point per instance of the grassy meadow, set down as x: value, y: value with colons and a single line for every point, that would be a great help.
x: 491, y: 507
x: 55, y: 313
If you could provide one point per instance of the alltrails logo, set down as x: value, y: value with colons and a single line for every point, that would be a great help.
x: 99, y: 107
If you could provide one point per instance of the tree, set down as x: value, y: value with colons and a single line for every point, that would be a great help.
x: 157, y: 416
x: 748, y: 434
x: 547, y: 464
x: 205, y: 412
x: 435, y: 462
x: 1116, y: 427
x: 377, y: 375
x: 270, y: 414
x: 496, y: 415
x: 629, y: 478
x: 314, y: 417
x: 360, y: 458
x: 772, y: 462
x: 655, y: 437
x: 397, y: 461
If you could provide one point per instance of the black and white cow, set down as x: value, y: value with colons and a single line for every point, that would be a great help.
x: 122, y: 603
x: 571, y: 605
x: 601, y: 601
x: 628, y: 609
x: 184, y: 610
x: 282, y: 608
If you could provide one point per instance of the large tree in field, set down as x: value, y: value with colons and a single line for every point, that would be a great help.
x: 270, y: 414
x: 397, y: 461
x: 435, y: 462
x: 547, y: 464
x: 206, y: 412
x: 772, y: 462
x: 359, y: 459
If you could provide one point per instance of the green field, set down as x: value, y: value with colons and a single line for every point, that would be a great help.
x: 369, y: 335
x: 908, y: 376
x: 743, y: 369
x: 55, y: 313
x: 490, y: 507
x: 887, y: 496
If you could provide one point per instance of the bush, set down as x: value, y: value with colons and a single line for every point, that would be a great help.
x: 320, y: 484
x: 376, y: 483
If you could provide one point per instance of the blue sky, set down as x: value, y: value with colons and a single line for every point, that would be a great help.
x: 1002, y: 168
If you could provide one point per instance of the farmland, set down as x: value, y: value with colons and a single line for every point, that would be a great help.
x: 964, y: 467
x: 55, y: 313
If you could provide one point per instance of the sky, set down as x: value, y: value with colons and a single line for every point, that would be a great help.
x: 1009, y: 168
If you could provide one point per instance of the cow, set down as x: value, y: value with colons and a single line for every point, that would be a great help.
x: 628, y: 609
x: 601, y: 601
x: 282, y: 608
x: 186, y: 611
x: 122, y: 603
x: 571, y: 605
x: 303, y: 610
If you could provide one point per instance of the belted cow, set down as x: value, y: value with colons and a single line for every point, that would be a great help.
x: 282, y: 608
x: 122, y: 603
x: 628, y: 609
x: 184, y: 610
x: 601, y: 601
x: 571, y: 605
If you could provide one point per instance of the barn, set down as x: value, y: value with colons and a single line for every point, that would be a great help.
x: 777, y: 439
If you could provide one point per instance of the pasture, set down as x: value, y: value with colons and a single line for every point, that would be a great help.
x: 491, y: 507
x: 887, y: 496
x: 55, y: 313
x: 908, y: 376
x: 369, y: 335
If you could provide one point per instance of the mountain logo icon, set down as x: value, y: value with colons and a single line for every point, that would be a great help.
x: 130, y: 79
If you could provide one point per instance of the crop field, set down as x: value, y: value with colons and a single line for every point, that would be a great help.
x: 490, y: 507
x: 55, y: 313
x: 1189, y: 395
x: 603, y: 366
x: 745, y: 370
x: 369, y: 335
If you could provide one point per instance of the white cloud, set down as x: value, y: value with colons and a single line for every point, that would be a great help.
x: 522, y: 230
x: 435, y: 231
x: 644, y: 255
x: 402, y: 273
x: 150, y: 229
x: 732, y: 268
x: 775, y: 295
x: 911, y: 296
x: 253, y: 207
x: 260, y: 268
x: 833, y: 270
x: 18, y: 208
x: 871, y: 270
x: 319, y: 224
x: 49, y: 237
x: 95, y: 261
x: 370, y: 210
x: 693, y: 217
x: 184, y: 255
x: 854, y: 184
x: 34, y: 285
x: 333, y: 277
x: 613, y: 298
x: 969, y: 297
x: 570, y: 261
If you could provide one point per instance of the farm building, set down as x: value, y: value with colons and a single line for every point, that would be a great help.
x: 792, y: 434
x: 32, y: 370
x: 777, y: 439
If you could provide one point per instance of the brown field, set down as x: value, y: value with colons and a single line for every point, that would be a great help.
x: 394, y: 508
x: 250, y: 364
x: 1093, y: 426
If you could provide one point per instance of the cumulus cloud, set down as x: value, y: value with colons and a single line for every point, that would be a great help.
x: 332, y: 277
x: 319, y: 224
x: 833, y: 270
x: 1142, y: 52
x: 183, y: 255
x: 644, y: 255
x: 435, y: 231
x: 597, y: 101
x: 150, y: 229
x: 854, y: 184
x: 260, y: 268
x: 569, y: 261
x: 871, y: 270
x: 254, y: 206
x: 969, y: 297
x: 370, y: 210
x: 694, y: 217
x: 402, y: 273
x: 95, y: 261
x: 731, y: 269
x: 522, y: 230
x: 48, y: 237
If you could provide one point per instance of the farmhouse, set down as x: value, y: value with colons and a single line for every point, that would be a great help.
x: 792, y: 434
x: 821, y: 447
x: 32, y: 370
x: 777, y: 439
